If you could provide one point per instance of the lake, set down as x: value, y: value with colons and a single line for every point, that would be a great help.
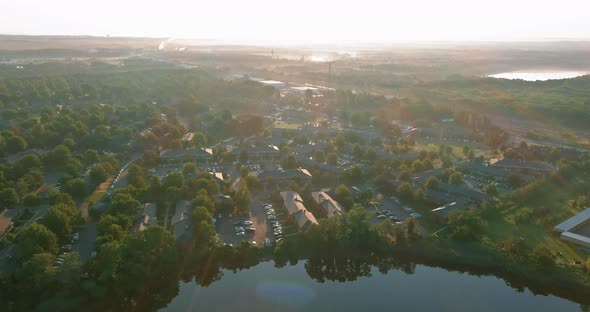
x: 266, y: 288
x: 539, y: 76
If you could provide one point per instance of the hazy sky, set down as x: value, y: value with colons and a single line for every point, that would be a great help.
x: 304, y: 20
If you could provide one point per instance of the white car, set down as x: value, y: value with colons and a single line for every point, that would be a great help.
x: 247, y: 222
x: 240, y: 233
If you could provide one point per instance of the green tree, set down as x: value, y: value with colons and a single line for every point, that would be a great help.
x: 242, y: 199
x: 465, y: 225
x: 59, y: 223
x: 319, y: 156
x: 76, y: 187
x: 31, y: 200
x: 491, y: 190
x: 36, y: 239
x: 405, y: 190
x: 455, y: 178
x: 343, y: 195
x: 8, y: 198
x: 136, y: 176
x: 432, y: 183
x: 332, y: 159
x: 189, y: 169
x: 98, y: 174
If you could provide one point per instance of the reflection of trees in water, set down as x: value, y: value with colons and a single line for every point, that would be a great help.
x: 346, y: 269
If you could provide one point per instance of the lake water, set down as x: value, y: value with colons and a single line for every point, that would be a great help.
x: 539, y: 76
x: 266, y: 288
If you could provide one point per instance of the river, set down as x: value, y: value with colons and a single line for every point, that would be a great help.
x: 539, y: 76
x: 266, y: 288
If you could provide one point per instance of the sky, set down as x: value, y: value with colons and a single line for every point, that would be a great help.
x: 305, y: 21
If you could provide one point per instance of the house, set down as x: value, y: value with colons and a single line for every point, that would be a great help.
x: 303, y: 90
x: 146, y: 218
x: 266, y: 151
x: 218, y: 176
x: 181, y: 223
x: 293, y: 203
x: 199, y: 154
x: 522, y: 164
x: 576, y: 229
x: 327, y: 203
x: 273, y: 83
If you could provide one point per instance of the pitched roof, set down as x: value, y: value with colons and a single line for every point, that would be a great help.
x: 330, y: 206
x: 573, y: 222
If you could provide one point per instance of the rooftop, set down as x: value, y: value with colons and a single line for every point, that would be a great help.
x: 330, y: 206
x: 574, y: 222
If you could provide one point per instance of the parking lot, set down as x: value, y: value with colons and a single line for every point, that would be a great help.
x: 226, y: 226
x: 393, y: 209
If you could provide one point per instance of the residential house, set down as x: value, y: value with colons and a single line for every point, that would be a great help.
x: 293, y: 203
x: 146, y: 217
x: 329, y: 206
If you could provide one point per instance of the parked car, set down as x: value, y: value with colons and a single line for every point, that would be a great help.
x: 247, y: 222
x: 239, y: 229
x: 381, y: 216
x: 250, y: 229
x: 267, y: 242
x: 240, y: 233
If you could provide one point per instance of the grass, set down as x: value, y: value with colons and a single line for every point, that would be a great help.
x: 538, y: 231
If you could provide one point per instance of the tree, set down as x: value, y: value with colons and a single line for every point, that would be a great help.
x: 319, y: 156
x: 514, y: 180
x: 244, y: 171
x: 34, y: 274
x: 36, y: 239
x: 417, y: 166
x: 125, y: 204
x: 455, y: 178
x: 432, y: 183
x: 371, y: 154
x: 332, y: 159
x: 405, y: 190
x: 344, y: 196
x: 189, y: 169
x: 15, y: 144
x: 173, y: 179
x: 357, y: 151
x: 199, y: 139
x: 58, y: 222
x: 491, y: 190
x: 98, y: 174
x: 136, y: 176
x: 465, y: 225
x: 31, y: 200
x: 419, y: 195
x: 242, y: 199
x: 8, y: 198
x: 90, y: 156
x: 290, y: 162
x: 404, y: 175
x: 76, y: 187
x: 541, y: 257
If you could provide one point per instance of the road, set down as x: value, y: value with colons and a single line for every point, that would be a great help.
x: 85, y: 245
